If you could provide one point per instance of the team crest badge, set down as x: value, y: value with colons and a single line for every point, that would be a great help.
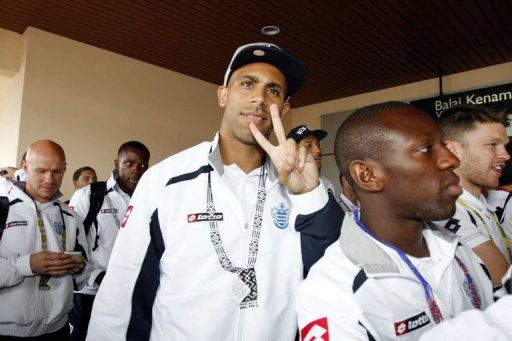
x: 281, y: 216
x: 59, y: 227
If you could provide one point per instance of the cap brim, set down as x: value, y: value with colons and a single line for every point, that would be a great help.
x: 292, y: 68
x: 319, y: 134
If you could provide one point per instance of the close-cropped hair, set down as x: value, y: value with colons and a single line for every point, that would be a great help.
x: 457, y: 121
x: 363, y: 136
x: 79, y: 171
x: 135, y: 145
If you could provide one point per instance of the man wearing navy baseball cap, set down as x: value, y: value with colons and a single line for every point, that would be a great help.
x: 210, y: 247
x: 310, y: 139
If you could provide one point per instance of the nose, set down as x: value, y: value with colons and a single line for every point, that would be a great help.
x: 503, y: 154
x: 315, y: 149
x: 258, y: 97
x: 447, y: 160
x: 137, y: 169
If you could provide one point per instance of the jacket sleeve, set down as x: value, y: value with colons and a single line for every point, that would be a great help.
x: 80, y: 279
x: 80, y: 201
x: 13, y: 270
x: 123, y: 305
x: 325, y: 315
x: 494, y: 323
x: 318, y: 218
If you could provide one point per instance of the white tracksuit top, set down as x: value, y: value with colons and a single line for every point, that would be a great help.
x: 164, y: 277
x: 107, y: 228
x: 24, y: 309
x: 362, y: 287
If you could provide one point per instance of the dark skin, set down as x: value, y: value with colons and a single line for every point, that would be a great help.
x: 131, y: 164
x: 413, y: 181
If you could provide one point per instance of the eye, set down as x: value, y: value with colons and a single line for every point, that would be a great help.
x: 274, y: 91
x: 247, y: 84
x: 425, y: 149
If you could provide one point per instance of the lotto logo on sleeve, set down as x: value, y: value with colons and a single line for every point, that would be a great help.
x: 315, y: 331
x: 126, y: 216
x: 199, y: 217
x: 411, y: 324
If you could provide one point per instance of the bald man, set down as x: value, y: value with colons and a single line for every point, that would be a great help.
x: 42, y: 251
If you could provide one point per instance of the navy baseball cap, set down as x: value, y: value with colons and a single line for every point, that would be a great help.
x: 300, y: 132
x: 293, y: 70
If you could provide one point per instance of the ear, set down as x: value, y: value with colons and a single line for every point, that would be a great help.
x: 116, y: 164
x: 454, y: 147
x: 367, y: 175
x: 25, y: 167
x: 222, y: 94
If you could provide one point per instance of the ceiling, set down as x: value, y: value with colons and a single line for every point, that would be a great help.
x: 350, y: 47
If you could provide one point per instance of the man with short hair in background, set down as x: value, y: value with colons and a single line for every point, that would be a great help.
x: 102, y: 226
x: 477, y: 136
x: 84, y: 176
x: 37, y: 273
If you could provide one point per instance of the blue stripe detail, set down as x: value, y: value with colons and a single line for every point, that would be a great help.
x: 189, y: 176
x: 319, y: 230
x: 147, y: 285
x: 14, y: 202
x: 359, y: 280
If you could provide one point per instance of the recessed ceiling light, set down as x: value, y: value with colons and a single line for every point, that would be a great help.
x: 270, y: 30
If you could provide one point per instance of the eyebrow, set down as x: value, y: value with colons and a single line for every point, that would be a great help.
x: 257, y: 80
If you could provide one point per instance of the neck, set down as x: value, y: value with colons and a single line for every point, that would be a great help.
x: 124, y: 188
x: 247, y: 157
x: 404, y: 233
x: 471, y: 187
x: 35, y: 197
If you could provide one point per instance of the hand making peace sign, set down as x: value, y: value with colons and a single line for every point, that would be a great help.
x: 297, y: 169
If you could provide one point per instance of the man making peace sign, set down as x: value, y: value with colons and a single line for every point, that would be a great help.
x: 217, y: 238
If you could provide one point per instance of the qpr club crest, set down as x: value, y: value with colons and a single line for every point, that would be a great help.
x: 59, y: 227
x: 281, y: 215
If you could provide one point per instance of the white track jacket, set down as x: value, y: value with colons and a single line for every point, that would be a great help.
x: 24, y: 309
x: 165, y: 281
x: 362, y: 290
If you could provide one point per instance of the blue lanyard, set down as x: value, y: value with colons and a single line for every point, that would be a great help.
x: 432, y: 304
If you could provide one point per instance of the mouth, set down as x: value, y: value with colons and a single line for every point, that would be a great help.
x: 454, y: 188
x: 498, y: 169
x: 256, y: 118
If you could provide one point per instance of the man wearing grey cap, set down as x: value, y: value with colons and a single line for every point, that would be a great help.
x: 217, y: 238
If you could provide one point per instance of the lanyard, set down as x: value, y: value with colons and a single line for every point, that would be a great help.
x: 432, y: 304
x: 248, y: 274
x: 113, y: 210
x: 43, y: 281
x: 114, y: 216
x: 506, y: 240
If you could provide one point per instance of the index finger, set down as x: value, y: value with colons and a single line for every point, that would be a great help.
x: 278, y: 125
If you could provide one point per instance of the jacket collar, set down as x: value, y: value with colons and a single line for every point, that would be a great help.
x: 376, y: 258
x: 478, y: 203
x: 215, y: 160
